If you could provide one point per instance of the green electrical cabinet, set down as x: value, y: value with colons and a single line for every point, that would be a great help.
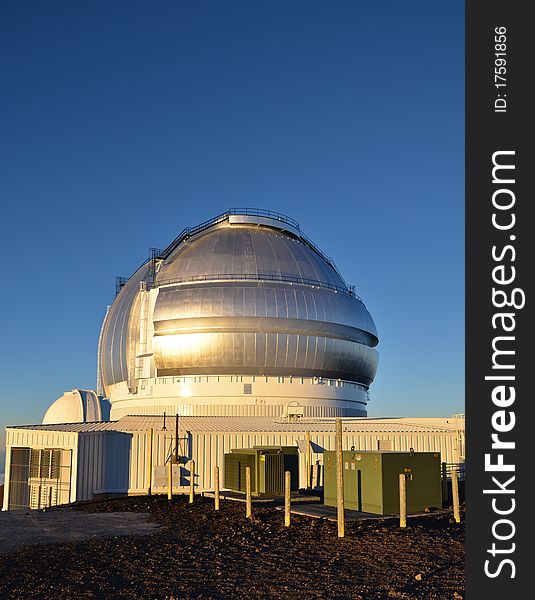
x: 371, y: 480
x: 268, y: 464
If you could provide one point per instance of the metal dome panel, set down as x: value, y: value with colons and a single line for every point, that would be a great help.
x: 246, y: 250
x: 116, y: 332
x: 264, y: 299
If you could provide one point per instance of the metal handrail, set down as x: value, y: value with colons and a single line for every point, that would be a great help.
x: 326, y: 258
x: 258, y: 212
x: 261, y: 212
x: 188, y: 232
x: 254, y: 277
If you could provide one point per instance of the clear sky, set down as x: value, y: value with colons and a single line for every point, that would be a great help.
x: 123, y: 122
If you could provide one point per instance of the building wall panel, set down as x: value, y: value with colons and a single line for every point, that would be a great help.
x: 208, y: 450
x: 113, y: 461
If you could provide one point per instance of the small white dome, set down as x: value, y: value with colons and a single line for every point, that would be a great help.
x: 78, y: 406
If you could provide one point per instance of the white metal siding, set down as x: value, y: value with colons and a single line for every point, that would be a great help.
x: 39, y: 439
x: 208, y: 450
x: 113, y: 460
x: 103, y: 459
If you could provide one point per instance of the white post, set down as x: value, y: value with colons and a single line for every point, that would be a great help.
x: 339, y: 479
x: 149, y: 461
x: 455, y: 493
x: 191, y: 481
x: 402, y: 500
x: 308, y: 460
x: 169, y: 479
x: 287, y: 485
x: 216, y: 487
x: 248, y: 501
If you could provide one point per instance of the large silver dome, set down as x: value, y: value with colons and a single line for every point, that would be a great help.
x: 243, y: 294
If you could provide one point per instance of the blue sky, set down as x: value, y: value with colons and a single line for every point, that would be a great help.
x: 123, y: 122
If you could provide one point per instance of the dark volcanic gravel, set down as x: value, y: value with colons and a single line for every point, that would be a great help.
x: 199, y: 553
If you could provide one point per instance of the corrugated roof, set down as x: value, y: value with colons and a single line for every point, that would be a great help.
x: 71, y: 427
x: 256, y: 424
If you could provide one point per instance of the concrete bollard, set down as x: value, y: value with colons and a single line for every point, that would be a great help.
x: 248, y: 500
x: 287, y: 486
x: 455, y: 493
x: 216, y: 488
x: 191, y: 481
x: 402, y: 500
x: 339, y: 479
x: 169, y: 479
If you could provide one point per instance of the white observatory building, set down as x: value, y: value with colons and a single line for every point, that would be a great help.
x: 240, y: 333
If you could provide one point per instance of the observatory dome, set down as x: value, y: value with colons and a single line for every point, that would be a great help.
x: 245, y: 294
x: 78, y: 406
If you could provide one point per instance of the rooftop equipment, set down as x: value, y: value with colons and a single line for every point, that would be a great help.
x: 268, y: 464
x: 371, y: 480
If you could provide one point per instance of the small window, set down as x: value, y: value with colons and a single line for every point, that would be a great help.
x: 247, y: 388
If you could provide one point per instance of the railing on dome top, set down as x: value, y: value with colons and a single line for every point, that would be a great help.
x: 258, y: 212
x: 350, y: 290
x: 261, y: 212
x: 191, y: 231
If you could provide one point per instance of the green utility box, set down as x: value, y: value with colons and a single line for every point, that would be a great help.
x: 371, y: 480
x: 268, y: 464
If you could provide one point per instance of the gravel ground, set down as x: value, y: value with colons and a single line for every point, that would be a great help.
x: 23, y: 527
x: 200, y: 553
